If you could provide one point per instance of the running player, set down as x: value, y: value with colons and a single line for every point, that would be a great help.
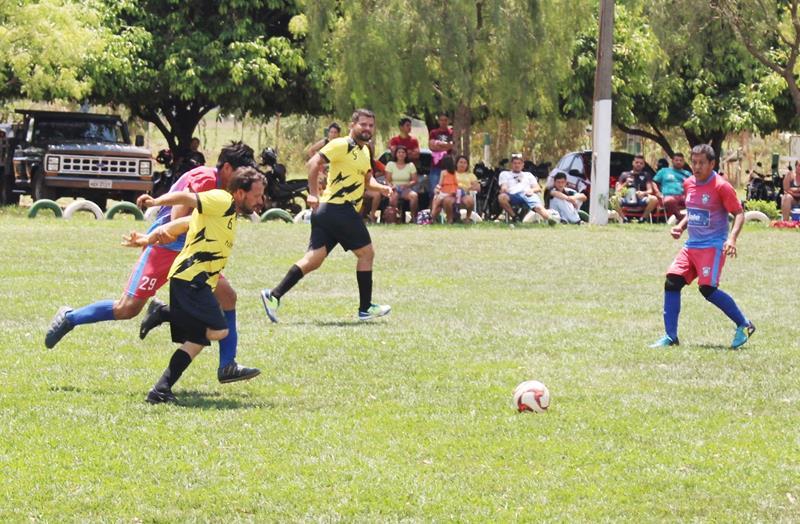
x: 709, y: 199
x: 336, y: 218
x: 195, y: 314
x: 150, y: 272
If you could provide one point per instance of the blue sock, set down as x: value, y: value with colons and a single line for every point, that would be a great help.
x: 728, y: 306
x: 672, y: 309
x: 97, y: 312
x: 227, y: 346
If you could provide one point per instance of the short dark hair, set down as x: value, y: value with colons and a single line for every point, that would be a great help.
x: 237, y: 154
x: 677, y: 154
x: 244, y: 177
x: 398, y: 148
x: 358, y: 113
x: 638, y: 156
x: 704, y: 149
x: 465, y: 157
x: 560, y: 176
x: 441, y: 114
x: 335, y: 126
x: 403, y: 121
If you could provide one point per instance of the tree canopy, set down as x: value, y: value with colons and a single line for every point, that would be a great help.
x: 171, y: 62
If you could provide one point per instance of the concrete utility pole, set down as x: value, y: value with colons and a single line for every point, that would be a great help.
x: 601, y: 118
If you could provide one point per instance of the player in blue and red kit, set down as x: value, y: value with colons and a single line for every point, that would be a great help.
x: 152, y: 268
x: 709, y: 199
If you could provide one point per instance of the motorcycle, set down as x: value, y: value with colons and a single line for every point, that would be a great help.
x: 163, y: 180
x: 281, y: 193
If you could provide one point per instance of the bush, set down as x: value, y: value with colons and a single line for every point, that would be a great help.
x: 767, y: 207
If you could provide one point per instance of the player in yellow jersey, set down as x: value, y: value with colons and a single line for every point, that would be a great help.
x: 194, y: 313
x: 335, y: 218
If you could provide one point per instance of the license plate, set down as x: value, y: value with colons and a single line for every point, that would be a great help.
x: 100, y: 184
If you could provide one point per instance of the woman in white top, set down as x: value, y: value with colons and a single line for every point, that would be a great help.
x: 402, y: 176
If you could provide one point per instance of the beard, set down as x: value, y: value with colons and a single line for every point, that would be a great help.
x: 364, y: 136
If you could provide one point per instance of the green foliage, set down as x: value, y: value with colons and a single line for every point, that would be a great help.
x: 172, y: 62
x: 44, y: 46
x: 769, y: 208
x: 406, y: 419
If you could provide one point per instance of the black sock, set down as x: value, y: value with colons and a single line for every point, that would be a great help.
x: 364, y: 289
x: 292, y: 277
x: 177, y: 365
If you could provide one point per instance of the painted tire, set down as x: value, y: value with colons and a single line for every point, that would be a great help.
x: 584, y: 215
x: 125, y: 207
x: 276, y: 214
x: 303, y: 217
x: 84, y: 205
x: 756, y: 216
x: 151, y: 213
x: 45, y: 204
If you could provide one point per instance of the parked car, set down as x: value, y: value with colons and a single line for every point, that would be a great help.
x: 579, y: 164
x: 51, y: 154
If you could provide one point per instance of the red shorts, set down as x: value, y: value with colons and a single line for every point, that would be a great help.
x: 150, y: 272
x: 703, y: 263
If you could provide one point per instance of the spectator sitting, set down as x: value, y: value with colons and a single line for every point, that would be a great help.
x: 636, y: 189
x: 520, y: 188
x: 331, y: 132
x: 791, y: 192
x: 440, y: 141
x: 402, y: 176
x: 565, y: 200
x: 446, y: 191
x: 195, y: 156
x: 467, y: 184
x: 670, y: 182
x: 406, y: 140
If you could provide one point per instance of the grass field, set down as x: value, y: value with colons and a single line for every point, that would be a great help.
x: 407, y: 418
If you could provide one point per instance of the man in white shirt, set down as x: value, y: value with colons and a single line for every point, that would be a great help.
x: 520, y: 188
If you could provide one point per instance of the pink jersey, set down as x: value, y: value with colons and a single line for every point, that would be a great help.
x: 198, y: 180
x: 707, y: 206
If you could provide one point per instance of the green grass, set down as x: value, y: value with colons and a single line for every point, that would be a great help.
x: 407, y: 418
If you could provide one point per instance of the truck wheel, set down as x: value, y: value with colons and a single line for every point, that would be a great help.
x: 44, y: 204
x: 7, y: 196
x: 40, y: 190
x: 276, y: 214
x: 84, y: 205
x: 125, y: 207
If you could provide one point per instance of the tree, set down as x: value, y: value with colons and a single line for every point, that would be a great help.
x: 171, y: 62
x: 37, y: 66
x: 770, y: 31
x: 470, y: 58
x: 682, y: 71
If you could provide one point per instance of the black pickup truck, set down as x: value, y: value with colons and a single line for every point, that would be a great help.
x: 51, y: 154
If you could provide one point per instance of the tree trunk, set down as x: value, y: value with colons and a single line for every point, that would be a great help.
x: 712, y: 138
x: 503, y: 138
x: 177, y: 123
x: 462, y: 128
x: 656, y: 137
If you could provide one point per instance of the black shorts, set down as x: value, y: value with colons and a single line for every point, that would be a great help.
x: 333, y: 224
x: 193, y: 308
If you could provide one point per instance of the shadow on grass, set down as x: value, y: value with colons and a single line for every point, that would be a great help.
x: 718, y: 347
x: 73, y: 389
x: 203, y: 400
x: 333, y: 323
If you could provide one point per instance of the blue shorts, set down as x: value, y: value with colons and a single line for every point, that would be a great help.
x: 521, y: 199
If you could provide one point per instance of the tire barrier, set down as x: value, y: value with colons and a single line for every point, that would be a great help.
x: 151, y: 213
x: 84, y: 205
x: 756, y: 216
x: 584, y: 215
x: 125, y: 207
x: 45, y: 204
x: 276, y: 214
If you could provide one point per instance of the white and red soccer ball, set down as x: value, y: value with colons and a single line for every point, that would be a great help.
x: 531, y: 395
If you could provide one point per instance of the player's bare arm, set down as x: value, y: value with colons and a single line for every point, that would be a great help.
x: 314, y: 166
x: 730, y: 245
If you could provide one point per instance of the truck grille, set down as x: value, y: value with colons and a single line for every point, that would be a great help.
x: 99, y: 165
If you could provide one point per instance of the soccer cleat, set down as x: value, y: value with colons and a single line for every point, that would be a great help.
x: 271, y: 304
x: 665, y: 341
x: 233, y: 372
x: 374, y: 311
x: 59, y: 327
x: 157, y: 396
x: 742, y: 335
x: 153, y: 318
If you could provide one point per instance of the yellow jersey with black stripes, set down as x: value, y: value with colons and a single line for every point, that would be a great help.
x: 209, y: 240
x: 349, y: 165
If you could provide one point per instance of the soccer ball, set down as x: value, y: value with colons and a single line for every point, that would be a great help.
x: 531, y: 395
